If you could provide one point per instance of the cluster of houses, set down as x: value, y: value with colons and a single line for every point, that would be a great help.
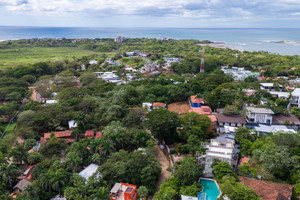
x: 239, y: 73
x: 169, y: 61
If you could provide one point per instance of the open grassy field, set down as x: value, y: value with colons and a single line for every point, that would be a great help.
x: 14, y: 57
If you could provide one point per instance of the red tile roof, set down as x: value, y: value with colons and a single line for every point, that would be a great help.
x: 268, y: 190
x: 244, y: 160
x: 60, y: 134
x: 205, y: 110
x: 98, y: 134
x: 281, y: 119
x: 194, y: 99
x: 231, y: 119
x: 89, y: 133
x: 159, y: 104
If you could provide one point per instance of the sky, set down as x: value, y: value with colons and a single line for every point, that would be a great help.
x: 152, y: 13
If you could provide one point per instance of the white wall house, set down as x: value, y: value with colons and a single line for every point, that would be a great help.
x: 259, y: 115
x: 269, y: 87
x: 222, y: 149
x: 295, y: 100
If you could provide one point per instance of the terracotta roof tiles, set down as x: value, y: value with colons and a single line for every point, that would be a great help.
x: 268, y: 190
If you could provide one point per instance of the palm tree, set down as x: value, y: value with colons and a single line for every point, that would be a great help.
x: 107, y: 147
x: 9, y: 172
x: 96, y: 158
x: 73, y: 160
x: 100, y: 194
x: 19, y: 154
x: 76, y: 132
x: 59, y: 180
x: 45, y: 180
x: 81, y: 121
x: 143, y: 192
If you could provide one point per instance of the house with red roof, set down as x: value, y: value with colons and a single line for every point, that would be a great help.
x: 198, y: 105
x: 196, y: 102
x: 157, y: 105
x: 268, y: 190
x: 67, y: 135
x: 27, y: 173
x: 89, y: 134
x: 123, y: 191
x: 98, y: 134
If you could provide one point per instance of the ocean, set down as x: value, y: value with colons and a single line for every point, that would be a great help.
x: 250, y: 39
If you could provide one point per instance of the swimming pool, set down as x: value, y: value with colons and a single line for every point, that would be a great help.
x: 210, y: 188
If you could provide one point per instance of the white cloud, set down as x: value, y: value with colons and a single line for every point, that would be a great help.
x: 209, y: 10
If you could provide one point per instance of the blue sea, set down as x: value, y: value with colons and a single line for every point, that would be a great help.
x: 249, y: 39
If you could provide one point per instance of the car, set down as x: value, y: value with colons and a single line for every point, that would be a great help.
x: 157, y: 141
x: 162, y: 147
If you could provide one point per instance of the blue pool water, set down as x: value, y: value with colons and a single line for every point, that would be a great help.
x: 210, y: 189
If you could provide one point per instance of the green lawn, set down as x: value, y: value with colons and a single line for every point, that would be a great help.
x: 14, y: 57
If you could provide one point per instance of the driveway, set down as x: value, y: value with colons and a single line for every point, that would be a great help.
x: 165, y: 164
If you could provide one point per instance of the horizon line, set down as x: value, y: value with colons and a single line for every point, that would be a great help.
x: 150, y: 27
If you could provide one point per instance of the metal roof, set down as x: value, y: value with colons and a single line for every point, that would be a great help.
x: 260, y: 110
x: 116, y: 188
x: 89, y: 171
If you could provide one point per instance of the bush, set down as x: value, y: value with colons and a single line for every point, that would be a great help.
x: 35, y: 158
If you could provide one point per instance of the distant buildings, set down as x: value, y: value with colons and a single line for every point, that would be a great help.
x: 169, y: 61
x: 149, y: 67
x: 93, y: 62
x: 270, y: 87
x: 110, y: 77
x: 123, y: 191
x: 119, y: 39
x: 295, y: 100
x: 166, y: 39
x: 151, y: 106
x: 239, y: 74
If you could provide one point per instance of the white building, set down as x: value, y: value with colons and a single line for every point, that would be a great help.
x: 148, y: 106
x: 110, y: 77
x: 281, y: 95
x: 184, y: 197
x: 223, y: 149
x: 72, y: 124
x: 269, y: 87
x: 263, y: 129
x: 295, y: 100
x: 149, y: 68
x: 90, y: 171
x: 169, y: 61
x: 119, y: 39
x: 239, y: 74
x: 93, y: 62
x: 52, y: 101
x: 259, y: 115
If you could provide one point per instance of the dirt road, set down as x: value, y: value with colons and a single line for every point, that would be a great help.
x: 165, y: 164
